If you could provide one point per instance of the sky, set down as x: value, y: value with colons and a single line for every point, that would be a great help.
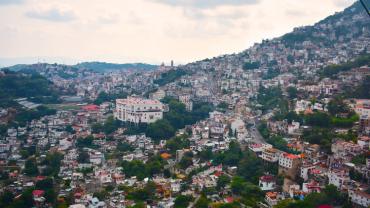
x: 149, y: 31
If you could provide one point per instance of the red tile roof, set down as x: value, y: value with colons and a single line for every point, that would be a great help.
x: 90, y: 108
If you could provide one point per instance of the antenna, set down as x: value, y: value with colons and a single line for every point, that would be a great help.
x: 366, y: 8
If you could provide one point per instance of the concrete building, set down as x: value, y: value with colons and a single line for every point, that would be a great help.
x: 289, y: 165
x: 138, y: 110
x: 359, y: 198
x: 186, y: 100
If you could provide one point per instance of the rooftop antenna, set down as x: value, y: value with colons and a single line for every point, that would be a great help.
x: 366, y: 8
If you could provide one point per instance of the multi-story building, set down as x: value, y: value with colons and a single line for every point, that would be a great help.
x: 158, y: 95
x: 342, y: 149
x: 186, y: 100
x: 363, y: 107
x: 339, y: 178
x: 270, y: 155
x: 138, y: 110
x: 267, y: 183
x: 359, y: 198
x: 289, y: 165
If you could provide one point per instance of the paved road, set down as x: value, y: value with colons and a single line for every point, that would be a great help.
x: 255, y: 134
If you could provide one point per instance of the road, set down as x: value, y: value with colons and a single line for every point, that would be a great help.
x: 255, y: 134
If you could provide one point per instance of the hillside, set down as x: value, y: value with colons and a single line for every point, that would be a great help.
x: 15, y: 85
x: 106, y: 67
x: 336, y: 39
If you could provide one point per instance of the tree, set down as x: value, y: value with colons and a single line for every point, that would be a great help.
x: 206, y: 154
x: 177, y: 143
x: 202, y: 202
x: 69, y: 129
x: 6, y: 198
x: 85, y: 142
x: 337, y: 106
x: 318, y: 119
x: 237, y: 184
x: 250, y: 167
x: 222, y: 181
x: 251, y: 65
x: 135, y: 168
x: 110, y: 125
x: 182, y: 201
x: 292, y: 92
x: 52, y: 162
x: 160, y: 129
x: 186, y: 161
x: 30, y: 168
x: 83, y: 157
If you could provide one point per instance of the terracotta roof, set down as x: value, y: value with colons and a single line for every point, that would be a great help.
x: 38, y: 193
x: 91, y: 108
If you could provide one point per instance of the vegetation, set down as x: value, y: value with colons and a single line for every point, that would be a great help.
x: 359, y: 159
x: 271, y: 98
x: 271, y: 73
x: 165, y: 128
x: 333, y: 70
x: 52, y: 163
x: 17, y: 85
x: 109, y: 126
x: 183, y: 201
x: 24, y: 117
x: 176, y: 118
x: 170, y: 76
x: 85, y: 142
x: 250, y: 193
x: 361, y: 92
x: 105, y: 97
x: 251, y: 65
x: 177, y: 143
x: 30, y: 168
x: 329, y: 196
x: 292, y: 92
x: 321, y: 136
x: 105, y: 67
x: 154, y: 165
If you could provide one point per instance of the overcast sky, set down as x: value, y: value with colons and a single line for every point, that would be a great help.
x: 150, y: 31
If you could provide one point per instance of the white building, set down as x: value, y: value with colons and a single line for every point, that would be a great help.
x: 363, y: 107
x: 338, y: 178
x: 138, y: 110
x: 293, y: 128
x: 360, y: 198
x: 186, y: 100
x: 270, y: 154
x: 267, y: 183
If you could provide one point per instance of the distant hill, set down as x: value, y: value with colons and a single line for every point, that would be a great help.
x: 106, y: 67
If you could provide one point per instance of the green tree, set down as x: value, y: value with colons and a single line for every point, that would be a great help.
x: 30, y: 168
x: 202, y: 202
x: 182, y: 201
x: 6, y: 198
x: 222, y: 181
x: 292, y: 92
x: 83, y: 157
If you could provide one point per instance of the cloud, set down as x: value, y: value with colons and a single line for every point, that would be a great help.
x: 108, y: 19
x: 8, y: 2
x: 295, y: 13
x: 206, y: 3
x: 53, y: 14
x: 343, y: 3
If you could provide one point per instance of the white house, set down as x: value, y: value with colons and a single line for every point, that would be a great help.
x: 267, y: 183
